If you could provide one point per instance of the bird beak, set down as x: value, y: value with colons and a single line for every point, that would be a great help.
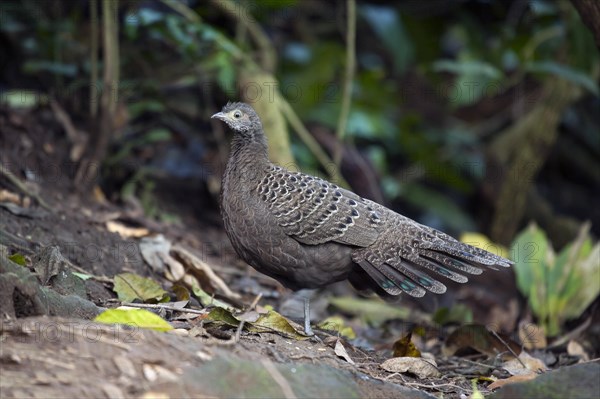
x: 219, y: 115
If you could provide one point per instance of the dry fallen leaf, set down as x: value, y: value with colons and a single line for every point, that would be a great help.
x: 194, y: 264
x: 415, y: 365
x: 9, y: 196
x: 151, y: 248
x: 126, y: 231
x: 511, y: 380
x: 532, y: 365
x: 341, y: 352
x: 574, y: 348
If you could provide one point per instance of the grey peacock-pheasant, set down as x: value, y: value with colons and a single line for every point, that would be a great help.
x: 307, y: 232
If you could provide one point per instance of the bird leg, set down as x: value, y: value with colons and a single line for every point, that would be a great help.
x: 307, y: 329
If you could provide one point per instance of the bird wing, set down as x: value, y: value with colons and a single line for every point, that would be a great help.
x: 406, y: 249
x: 314, y: 211
x: 392, y: 249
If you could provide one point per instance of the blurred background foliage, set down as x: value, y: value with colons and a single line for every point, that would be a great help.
x: 438, y: 126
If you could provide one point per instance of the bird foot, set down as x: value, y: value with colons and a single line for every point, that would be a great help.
x: 308, y: 331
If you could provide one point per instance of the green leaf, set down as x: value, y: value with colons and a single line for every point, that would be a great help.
x: 565, y: 72
x: 82, y: 276
x: 148, y: 105
x: 529, y: 252
x: 140, y: 318
x: 208, y: 300
x: 23, y: 98
x: 19, y: 259
x: 273, y: 321
x: 589, y: 288
x: 560, y: 287
x: 269, y: 322
x: 459, y: 313
x: 472, y: 78
x: 223, y: 315
x: 130, y: 286
x: 148, y: 16
x: 156, y: 135
x: 221, y: 63
x: 338, y: 326
x: 389, y: 27
x: 468, y: 67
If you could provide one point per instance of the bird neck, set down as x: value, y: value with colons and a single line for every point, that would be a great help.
x: 249, y: 155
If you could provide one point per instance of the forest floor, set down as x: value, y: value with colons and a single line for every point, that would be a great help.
x: 49, y: 347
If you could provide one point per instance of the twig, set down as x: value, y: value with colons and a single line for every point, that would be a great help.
x: 108, y: 99
x: 23, y: 188
x: 163, y: 306
x: 391, y: 376
x: 102, y: 279
x: 222, y: 40
x: 456, y: 364
x: 235, y: 338
x: 348, y: 78
x: 239, y: 12
x: 572, y: 334
x: 438, y: 387
x: 238, y: 332
x: 508, y: 347
x: 255, y: 301
x: 78, y: 139
x: 310, y: 142
x: 184, y: 10
x: 192, y: 260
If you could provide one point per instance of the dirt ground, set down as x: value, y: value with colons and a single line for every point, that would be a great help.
x: 57, y: 354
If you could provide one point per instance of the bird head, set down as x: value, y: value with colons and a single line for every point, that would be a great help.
x: 240, y: 117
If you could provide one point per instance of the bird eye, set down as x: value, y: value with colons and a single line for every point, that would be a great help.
x: 237, y: 114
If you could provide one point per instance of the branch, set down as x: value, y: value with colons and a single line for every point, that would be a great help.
x: 238, y: 12
x: 348, y: 78
x: 310, y: 141
x: 93, y: 58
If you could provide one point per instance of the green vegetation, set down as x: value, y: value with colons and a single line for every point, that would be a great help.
x: 559, y: 286
x: 471, y: 116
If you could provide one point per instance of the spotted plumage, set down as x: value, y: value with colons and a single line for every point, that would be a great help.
x: 307, y: 232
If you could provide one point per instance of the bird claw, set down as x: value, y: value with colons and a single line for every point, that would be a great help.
x: 312, y: 336
x: 315, y: 338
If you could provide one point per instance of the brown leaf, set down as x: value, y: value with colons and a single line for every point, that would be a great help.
x: 511, y: 380
x: 341, y: 352
x: 574, y: 348
x: 525, y: 364
x: 126, y: 231
x: 415, y: 365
